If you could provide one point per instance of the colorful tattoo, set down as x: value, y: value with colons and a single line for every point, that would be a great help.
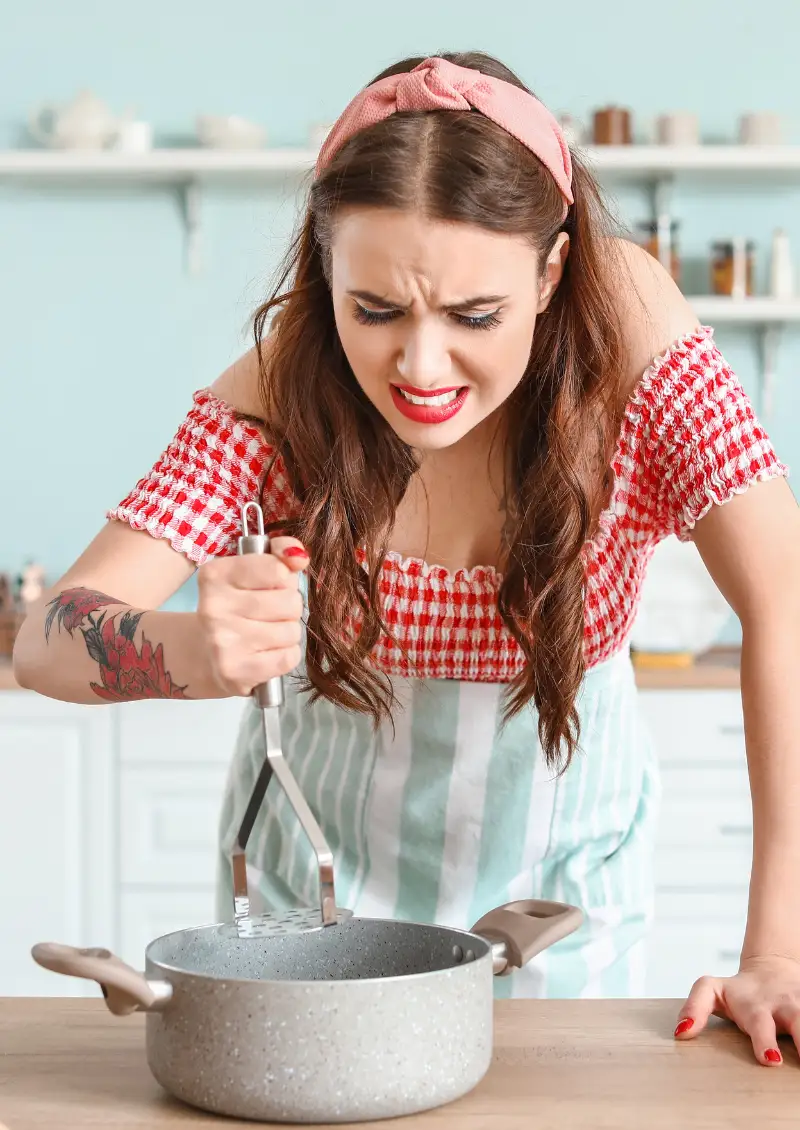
x: 126, y: 673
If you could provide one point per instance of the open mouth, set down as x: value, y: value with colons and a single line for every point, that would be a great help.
x: 433, y: 407
x: 429, y: 400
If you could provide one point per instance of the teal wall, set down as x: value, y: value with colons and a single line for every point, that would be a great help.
x: 103, y: 336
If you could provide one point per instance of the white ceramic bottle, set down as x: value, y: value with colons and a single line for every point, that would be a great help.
x: 781, y: 275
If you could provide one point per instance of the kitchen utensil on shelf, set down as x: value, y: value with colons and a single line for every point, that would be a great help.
x: 571, y: 129
x: 374, y: 1019
x: 659, y: 237
x: 612, y: 126
x: 134, y: 137
x: 733, y: 267
x: 220, y: 131
x: 781, y: 269
x: 32, y: 583
x: 268, y: 698
x: 764, y: 128
x: 85, y: 122
x: 681, y: 127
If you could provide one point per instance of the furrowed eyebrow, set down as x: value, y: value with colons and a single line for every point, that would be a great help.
x: 468, y: 304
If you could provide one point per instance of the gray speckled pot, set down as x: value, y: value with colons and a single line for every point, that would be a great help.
x: 364, y: 1020
x: 361, y: 1030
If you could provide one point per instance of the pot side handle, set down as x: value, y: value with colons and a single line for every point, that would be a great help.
x: 124, y: 989
x: 527, y: 927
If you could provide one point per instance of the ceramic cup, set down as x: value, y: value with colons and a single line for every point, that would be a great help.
x: 134, y: 137
x: 760, y: 129
x: 679, y: 128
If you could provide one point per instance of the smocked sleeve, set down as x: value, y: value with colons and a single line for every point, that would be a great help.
x: 194, y: 492
x: 697, y: 439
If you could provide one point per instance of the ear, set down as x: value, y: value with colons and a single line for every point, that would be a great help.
x: 553, y: 270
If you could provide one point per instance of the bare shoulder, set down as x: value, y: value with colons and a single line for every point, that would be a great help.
x: 239, y: 384
x: 653, y: 311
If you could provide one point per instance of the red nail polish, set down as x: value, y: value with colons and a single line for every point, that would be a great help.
x: 684, y: 1026
x: 772, y: 1056
x: 294, y: 551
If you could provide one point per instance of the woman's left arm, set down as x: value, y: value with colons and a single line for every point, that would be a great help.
x: 751, y: 547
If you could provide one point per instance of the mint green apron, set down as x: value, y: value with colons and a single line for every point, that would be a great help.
x: 451, y: 816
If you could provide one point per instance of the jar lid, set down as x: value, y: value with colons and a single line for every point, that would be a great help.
x: 727, y: 245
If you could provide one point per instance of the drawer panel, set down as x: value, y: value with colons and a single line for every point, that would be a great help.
x: 705, y: 830
x: 695, y: 726
x: 165, y: 732
x: 694, y: 935
x: 146, y: 915
x: 705, y: 806
x: 169, y: 820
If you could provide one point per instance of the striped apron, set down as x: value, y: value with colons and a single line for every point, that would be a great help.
x: 450, y: 816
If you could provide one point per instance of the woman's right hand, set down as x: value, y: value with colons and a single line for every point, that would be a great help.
x: 250, y: 610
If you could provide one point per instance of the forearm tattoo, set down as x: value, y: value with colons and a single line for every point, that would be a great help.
x: 126, y: 673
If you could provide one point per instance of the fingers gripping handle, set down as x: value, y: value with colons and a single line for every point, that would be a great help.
x: 271, y: 692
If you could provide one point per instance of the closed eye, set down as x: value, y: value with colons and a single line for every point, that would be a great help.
x: 382, y: 317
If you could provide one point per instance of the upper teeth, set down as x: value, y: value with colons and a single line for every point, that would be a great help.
x: 430, y: 401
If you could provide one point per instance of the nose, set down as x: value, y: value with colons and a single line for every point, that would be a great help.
x: 424, y: 357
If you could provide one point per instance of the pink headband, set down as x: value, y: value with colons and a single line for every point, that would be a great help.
x: 439, y: 85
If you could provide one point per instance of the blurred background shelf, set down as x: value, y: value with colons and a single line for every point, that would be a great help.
x: 666, y: 160
x: 746, y: 311
x: 632, y: 161
x: 154, y: 165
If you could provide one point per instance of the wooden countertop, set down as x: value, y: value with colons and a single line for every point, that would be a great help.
x: 68, y: 1064
x: 715, y: 669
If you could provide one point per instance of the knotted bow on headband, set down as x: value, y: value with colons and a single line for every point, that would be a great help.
x: 437, y: 84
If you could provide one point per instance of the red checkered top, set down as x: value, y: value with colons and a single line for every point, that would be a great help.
x: 689, y: 439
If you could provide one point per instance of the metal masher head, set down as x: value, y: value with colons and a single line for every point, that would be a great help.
x: 268, y: 697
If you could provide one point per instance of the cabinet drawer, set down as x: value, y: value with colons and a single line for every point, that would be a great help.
x: 163, y: 732
x: 705, y: 829
x: 695, y: 726
x: 694, y: 935
x: 169, y: 821
x: 146, y: 915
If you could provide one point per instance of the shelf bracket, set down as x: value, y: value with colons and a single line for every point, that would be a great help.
x: 769, y: 335
x: 663, y: 188
x: 662, y: 194
x: 191, y: 194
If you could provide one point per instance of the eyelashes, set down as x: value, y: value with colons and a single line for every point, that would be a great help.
x: 381, y: 318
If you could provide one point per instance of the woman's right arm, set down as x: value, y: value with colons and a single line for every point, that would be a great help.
x: 95, y: 635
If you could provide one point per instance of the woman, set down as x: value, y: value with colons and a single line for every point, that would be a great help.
x: 474, y: 417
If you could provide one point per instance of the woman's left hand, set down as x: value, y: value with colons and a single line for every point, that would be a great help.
x: 763, y: 999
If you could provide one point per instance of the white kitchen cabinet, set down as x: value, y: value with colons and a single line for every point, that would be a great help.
x: 57, y: 838
x: 148, y: 914
x: 168, y: 825
x: 703, y: 852
x: 108, y: 827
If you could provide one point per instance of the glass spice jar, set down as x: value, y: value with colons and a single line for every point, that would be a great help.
x: 650, y: 235
x: 733, y: 264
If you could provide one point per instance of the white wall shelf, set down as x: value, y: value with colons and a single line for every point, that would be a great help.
x: 646, y: 161
x: 157, y: 165
x: 630, y: 161
x: 188, y: 170
x: 745, y: 311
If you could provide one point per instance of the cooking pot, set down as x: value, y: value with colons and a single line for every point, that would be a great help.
x: 367, y: 1019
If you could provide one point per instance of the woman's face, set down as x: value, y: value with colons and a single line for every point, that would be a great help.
x: 436, y: 319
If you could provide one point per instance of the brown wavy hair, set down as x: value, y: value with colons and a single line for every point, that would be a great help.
x: 350, y: 470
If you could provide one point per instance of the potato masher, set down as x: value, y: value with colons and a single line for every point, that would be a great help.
x: 269, y: 698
